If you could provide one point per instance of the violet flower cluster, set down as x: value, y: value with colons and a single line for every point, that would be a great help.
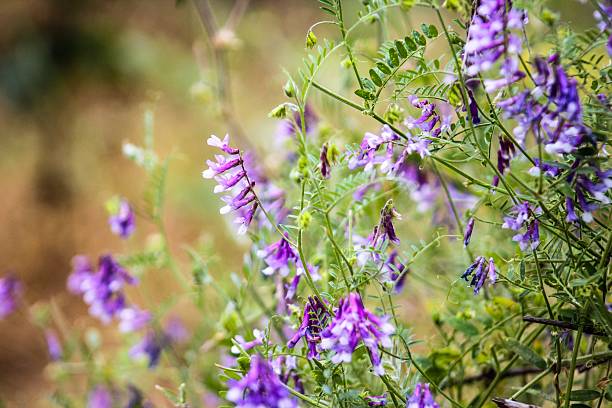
x: 421, y: 398
x: 590, y: 191
x: 604, y: 22
x: 490, y: 39
x: 10, y: 292
x: 314, y: 321
x: 230, y: 174
x: 551, y: 111
x: 285, y: 368
x: 260, y: 387
x: 480, y: 272
x: 378, y: 150
x: 524, y: 219
x: 103, y: 291
x: 352, y: 324
x: 279, y: 257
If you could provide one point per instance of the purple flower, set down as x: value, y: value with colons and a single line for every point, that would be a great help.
x: 102, y: 290
x: 480, y: 272
x: 394, y: 271
x: 571, y: 212
x: 299, y: 272
x: 524, y: 216
x: 156, y: 341
x: 82, y: 270
x: 287, y: 128
x: 504, y: 155
x: 230, y: 174
x: 385, y: 229
x: 324, y: 162
x: 133, y: 319
x: 371, y: 144
x: 260, y: 387
x: 10, y: 292
x: 549, y: 169
x: 285, y: 367
x: 421, y: 398
x: 54, y: 347
x: 489, y: 38
x: 551, y: 111
x: 591, y: 192
x: 100, y: 397
x: 567, y: 338
x: 473, y: 106
x: 429, y: 123
x: 376, y: 400
x: 361, y: 191
x: 278, y: 257
x: 467, y: 235
x: 604, y: 23
x: 122, y: 222
x: 314, y: 321
x: 352, y: 324
x: 247, y: 345
x: 424, y: 190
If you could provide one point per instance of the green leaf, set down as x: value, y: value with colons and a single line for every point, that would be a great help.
x: 584, y: 395
x: 526, y: 353
x: 367, y: 83
x: 410, y: 44
x: 328, y: 10
x: 375, y: 77
x: 418, y: 38
x: 429, y: 30
x: 463, y: 326
x: 367, y: 95
x: 393, y: 57
x: 401, y: 50
x: 383, y: 68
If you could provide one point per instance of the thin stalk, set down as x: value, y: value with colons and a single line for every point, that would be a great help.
x: 531, y: 383
x: 570, y: 380
x: 346, y: 44
x: 464, y: 97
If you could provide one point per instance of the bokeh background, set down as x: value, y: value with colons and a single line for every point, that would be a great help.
x: 76, y: 78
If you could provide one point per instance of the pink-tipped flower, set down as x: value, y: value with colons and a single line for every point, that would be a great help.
x: 231, y: 176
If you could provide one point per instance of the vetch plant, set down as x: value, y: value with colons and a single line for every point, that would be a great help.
x: 487, y: 129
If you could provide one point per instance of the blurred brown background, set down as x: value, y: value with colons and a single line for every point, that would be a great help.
x: 75, y: 80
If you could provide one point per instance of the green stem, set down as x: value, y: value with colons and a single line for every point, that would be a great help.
x: 570, y: 380
x: 346, y: 44
x: 531, y: 383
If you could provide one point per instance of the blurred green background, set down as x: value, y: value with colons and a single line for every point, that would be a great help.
x: 75, y: 80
